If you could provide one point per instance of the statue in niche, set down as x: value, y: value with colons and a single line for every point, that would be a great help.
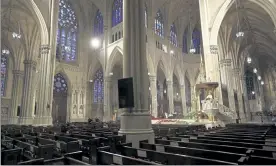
x: 209, y: 96
x: 208, y: 102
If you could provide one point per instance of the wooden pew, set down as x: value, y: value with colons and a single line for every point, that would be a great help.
x: 216, y: 147
x: 210, y: 154
x: 169, y: 158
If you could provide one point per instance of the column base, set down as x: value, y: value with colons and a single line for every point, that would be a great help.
x: 43, y: 121
x: 137, y: 127
x: 14, y: 120
x: 26, y: 120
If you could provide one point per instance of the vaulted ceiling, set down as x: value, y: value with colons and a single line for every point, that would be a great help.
x: 259, y: 38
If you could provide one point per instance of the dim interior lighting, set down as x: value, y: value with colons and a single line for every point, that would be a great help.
x: 255, y: 70
x: 240, y: 34
x: 192, y: 50
x: 165, y: 91
x: 249, y: 60
x: 177, y: 94
x: 262, y: 82
x: 149, y: 88
x: 253, y: 92
x: 6, y: 52
x: 16, y: 36
x: 259, y: 78
x: 95, y: 43
x: 148, y: 73
x: 90, y: 81
x: 111, y: 74
x: 172, y: 52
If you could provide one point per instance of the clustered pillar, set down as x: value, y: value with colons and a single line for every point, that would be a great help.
x: 108, y: 112
x: 170, y: 96
x: 153, y: 91
x: 16, y: 95
x: 136, y: 122
x: 26, y: 113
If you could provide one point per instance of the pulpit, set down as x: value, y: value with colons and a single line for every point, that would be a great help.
x: 208, y: 105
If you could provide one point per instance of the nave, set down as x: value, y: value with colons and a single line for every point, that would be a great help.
x: 98, y: 143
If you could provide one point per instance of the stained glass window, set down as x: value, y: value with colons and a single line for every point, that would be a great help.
x: 98, y: 87
x: 173, y: 36
x: 4, y: 69
x: 185, y: 42
x: 250, y: 85
x: 117, y: 12
x: 196, y: 40
x: 67, y: 32
x: 60, y: 84
x: 188, y: 92
x: 159, y: 24
x: 98, y: 24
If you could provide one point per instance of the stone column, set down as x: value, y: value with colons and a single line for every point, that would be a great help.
x: 108, y: 112
x: 153, y: 91
x: 43, y: 115
x: 170, y: 96
x: 183, y: 99
x: 28, y: 93
x: 245, y: 96
x: 236, y: 74
x: 136, y: 122
x: 226, y: 72
x: 16, y: 95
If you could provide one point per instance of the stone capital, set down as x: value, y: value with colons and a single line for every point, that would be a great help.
x: 108, y: 79
x: 18, y: 73
x: 225, y: 63
x: 44, y: 49
x: 153, y: 78
x: 30, y: 62
x: 169, y: 83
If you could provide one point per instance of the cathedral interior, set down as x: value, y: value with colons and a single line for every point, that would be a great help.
x: 201, y: 70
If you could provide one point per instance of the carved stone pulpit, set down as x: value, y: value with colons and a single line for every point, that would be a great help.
x: 209, y: 104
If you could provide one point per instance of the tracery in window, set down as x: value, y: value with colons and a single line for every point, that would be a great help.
x: 98, y: 87
x: 196, y: 40
x: 60, y: 84
x: 250, y: 85
x: 98, y: 24
x: 159, y: 24
x: 4, y: 70
x: 185, y: 42
x: 67, y: 32
x: 173, y: 36
x: 117, y: 12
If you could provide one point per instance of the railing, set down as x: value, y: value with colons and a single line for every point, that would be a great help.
x: 214, y: 104
x: 263, y: 117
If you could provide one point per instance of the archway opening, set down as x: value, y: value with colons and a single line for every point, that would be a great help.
x: 60, y: 93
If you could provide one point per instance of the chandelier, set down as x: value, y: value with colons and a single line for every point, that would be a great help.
x: 249, y: 60
x: 239, y: 33
x: 5, y: 52
x: 192, y: 48
x: 255, y: 70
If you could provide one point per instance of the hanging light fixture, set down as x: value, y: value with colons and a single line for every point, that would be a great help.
x: 239, y: 32
x: 249, y: 60
x: 14, y: 34
x: 192, y: 48
x: 5, y: 52
x: 259, y: 78
x: 262, y: 82
x: 255, y: 70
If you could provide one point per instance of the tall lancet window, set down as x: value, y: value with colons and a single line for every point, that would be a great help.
x: 67, y: 32
x: 159, y: 24
x: 173, y: 36
x: 98, y: 24
x: 4, y: 70
x: 98, y: 87
x: 185, y: 41
x: 60, y: 84
x: 196, y: 40
x: 117, y: 12
x: 250, y: 85
x: 188, y: 92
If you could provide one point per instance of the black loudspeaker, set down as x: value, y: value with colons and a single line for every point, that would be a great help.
x: 125, y: 91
